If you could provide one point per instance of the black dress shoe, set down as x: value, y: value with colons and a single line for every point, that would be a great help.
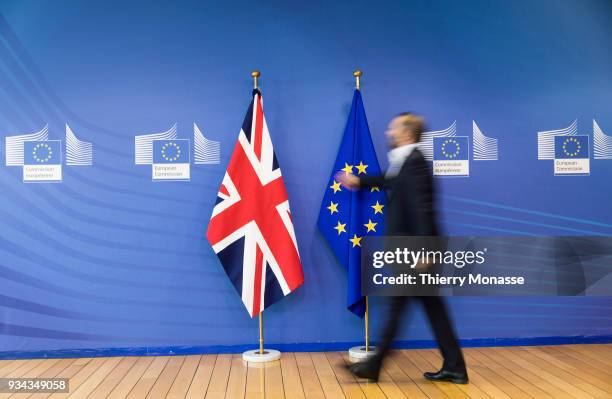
x: 443, y: 375
x: 364, y: 370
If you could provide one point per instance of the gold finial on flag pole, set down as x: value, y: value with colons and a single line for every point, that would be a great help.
x: 357, y: 74
x: 255, y: 74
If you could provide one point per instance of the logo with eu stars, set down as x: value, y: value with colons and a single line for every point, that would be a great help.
x: 171, y: 160
x: 569, y: 151
x: 451, y: 156
x: 572, y: 155
x: 42, y: 161
x: 41, y: 158
x: 170, y: 157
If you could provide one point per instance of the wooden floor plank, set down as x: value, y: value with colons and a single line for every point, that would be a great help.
x: 91, y: 383
x: 132, y: 377
x: 369, y: 388
x: 580, y: 383
x: 451, y: 390
x: 528, y: 375
x: 327, y: 378
x: 389, y: 387
x: 566, y: 381
x: 236, y: 384
x: 563, y: 389
x: 577, y: 358
x: 219, y: 378
x: 25, y: 371
x: 575, y: 367
x: 274, y: 381
x: 183, y: 379
x: 385, y: 387
x: 404, y: 382
x: 201, y: 379
x: 255, y: 381
x: 602, y: 354
x: 292, y: 382
x: 109, y: 383
x: 51, y: 372
x: 6, y: 363
x: 435, y: 361
x: 25, y: 368
x: 593, y: 359
x: 37, y: 372
x: 148, y: 378
x: 166, y: 378
x: 348, y: 383
x: 502, y: 367
x: 310, y: 381
x: 81, y: 376
x: 429, y: 388
x: 11, y: 365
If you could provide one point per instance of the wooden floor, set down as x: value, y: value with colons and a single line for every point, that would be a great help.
x: 568, y: 371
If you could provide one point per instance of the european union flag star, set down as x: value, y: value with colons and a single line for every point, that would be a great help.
x: 340, y: 227
x: 333, y: 207
x: 335, y: 187
x: 378, y: 208
x: 348, y: 169
x: 361, y: 168
x: 356, y: 241
x: 371, y: 226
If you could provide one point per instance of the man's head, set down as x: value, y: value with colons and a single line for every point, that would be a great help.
x: 405, y: 128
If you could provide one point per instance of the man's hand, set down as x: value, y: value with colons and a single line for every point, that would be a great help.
x: 348, y: 180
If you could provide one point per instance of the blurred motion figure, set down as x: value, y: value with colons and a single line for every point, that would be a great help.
x: 410, y: 212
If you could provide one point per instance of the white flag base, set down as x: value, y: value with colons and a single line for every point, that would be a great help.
x: 359, y: 353
x: 268, y: 355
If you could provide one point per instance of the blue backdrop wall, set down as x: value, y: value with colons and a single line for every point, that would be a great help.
x: 110, y: 259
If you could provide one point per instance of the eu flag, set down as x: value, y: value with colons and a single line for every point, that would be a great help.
x: 346, y: 217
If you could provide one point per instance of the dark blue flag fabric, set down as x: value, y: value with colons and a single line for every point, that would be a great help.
x: 346, y: 217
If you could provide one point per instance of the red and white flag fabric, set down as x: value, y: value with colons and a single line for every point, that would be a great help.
x: 250, y: 229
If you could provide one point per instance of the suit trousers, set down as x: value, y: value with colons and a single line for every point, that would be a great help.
x: 437, y: 314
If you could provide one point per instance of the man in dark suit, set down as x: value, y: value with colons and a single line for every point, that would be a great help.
x: 410, y: 212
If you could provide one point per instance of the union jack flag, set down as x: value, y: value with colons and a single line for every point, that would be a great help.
x: 250, y: 229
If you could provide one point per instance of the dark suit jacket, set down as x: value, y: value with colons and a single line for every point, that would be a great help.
x: 410, y: 208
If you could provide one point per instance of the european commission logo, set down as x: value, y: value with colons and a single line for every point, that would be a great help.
x: 450, y: 153
x: 42, y: 161
x: 170, y: 157
x: 570, y: 152
x: 451, y: 156
x: 41, y: 158
x: 171, y: 160
x: 572, y: 155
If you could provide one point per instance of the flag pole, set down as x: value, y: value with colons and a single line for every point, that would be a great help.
x: 260, y: 355
x: 261, y: 349
x: 367, y: 336
x: 362, y: 352
x: 255, y: 75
